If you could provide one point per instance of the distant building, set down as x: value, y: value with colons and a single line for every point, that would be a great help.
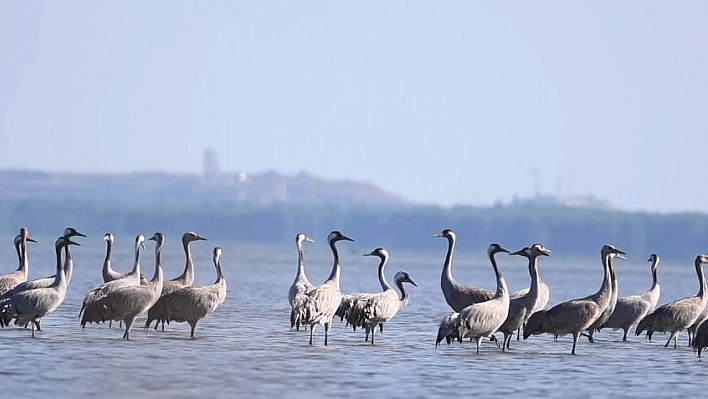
x: 210, y: 163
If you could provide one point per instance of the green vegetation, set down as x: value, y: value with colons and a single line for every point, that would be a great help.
x: 565, y: 230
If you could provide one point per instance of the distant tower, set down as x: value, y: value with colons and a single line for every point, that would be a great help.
x: 211, y: 164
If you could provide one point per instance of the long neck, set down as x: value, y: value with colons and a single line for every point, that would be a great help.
x: 382, y: 278
x: 701, y: 279
x: 59, y: 277
x: 158, y: 262
x: 24, y: 265
x: 533, y: 271
x: 613, y: 275
x: 447, y: 272
x: 20, y: 258
x: 300, y: 260
x: 334, y: 275
x: 188, y: 274
x: 603, y: 294
x: 501, y: 283
x: 136, y: 261
x: 219, y: 274
x: 654, y: 274
x: 403, y: 300
x: 107, y: 260
x: 68, y: 263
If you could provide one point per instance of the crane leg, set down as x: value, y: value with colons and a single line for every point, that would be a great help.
x: 312, y: 330
x: 575, y: 341
x: 327, y: 326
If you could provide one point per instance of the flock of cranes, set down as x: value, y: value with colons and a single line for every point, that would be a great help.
x: 478, y: 313
x: 122, y: 297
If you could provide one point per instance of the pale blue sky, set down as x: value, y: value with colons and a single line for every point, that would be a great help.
x: 440, y: 102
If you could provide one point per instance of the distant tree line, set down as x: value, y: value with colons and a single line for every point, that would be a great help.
x: 572, y: 231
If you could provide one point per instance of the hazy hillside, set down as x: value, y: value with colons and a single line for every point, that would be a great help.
x: 145, y: 188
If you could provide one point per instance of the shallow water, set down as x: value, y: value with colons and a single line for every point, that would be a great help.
x: 246, y: 349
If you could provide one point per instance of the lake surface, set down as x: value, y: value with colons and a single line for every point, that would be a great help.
x: 245, y: 348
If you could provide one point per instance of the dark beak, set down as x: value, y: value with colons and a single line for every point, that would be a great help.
x: 153, y: 238
x: 31, y: 239
x: 69, y: 242
x: 347, y: 238
x: 412, y: 282
x: 201, y: 238
x: 80, y: 234
x: 519, y: 252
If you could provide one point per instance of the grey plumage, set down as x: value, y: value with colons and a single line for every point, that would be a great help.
x: 133, y: 278
x: 9, y: 281
x: 371, y: 310
x: 610, y: 308
x: 158, y: 312
x: 629, y: 310
x: 482, y: 319
x: 45, y: 282
x: 192, y: 304
x: 700, y: 340
x: 522, y: 307
x: 458, y: 296
x: 125, y: 303
x: 678, y: 315
x: 31, y: 305
x: 296, y: 293
x: 322, y: 301
x: 575, y: 316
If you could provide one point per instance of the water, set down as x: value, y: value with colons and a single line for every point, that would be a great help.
x: 245, y: 349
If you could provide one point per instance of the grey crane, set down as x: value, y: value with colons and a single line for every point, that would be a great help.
x: 157, y: 311
x: 192, y: 304
x: 458, y: 296
x: 133, y: 278
x: 322, y: 301
x: 700, y: 340
x: 46, y: 281
x: 369, y: 311
x: 482, y: 319
x: 543, y: 295
x: 301, y: 284
x: 609, y: 309
x: 692, y: 329
x: 575, y: 316
x: 678, y: 315
x: 31, y: 305
x: 108, y: 273
x: 9, y: 281
x: 125, y: 303
x: 522, y: 307
x: 630, y: 309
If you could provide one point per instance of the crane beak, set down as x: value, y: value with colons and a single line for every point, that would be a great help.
x: 78, y: 233
x: 347, y: 238
x: 308, y: 239
x: 546, y: 252
x: 519, y: 252
x: 69, y: 242
x: 31, y: 239
x: 153, y: 238
x: 437, y: 235
x: 200, y: 238
x: 412, y: 282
